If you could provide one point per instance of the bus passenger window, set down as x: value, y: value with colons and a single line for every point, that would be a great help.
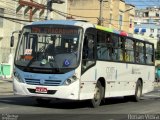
x: 137, y: 58
x: 149, y: 54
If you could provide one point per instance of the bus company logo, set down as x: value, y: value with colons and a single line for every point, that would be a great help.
x: 42, y: 81
x: 136, y: 71
x: 111, y: 73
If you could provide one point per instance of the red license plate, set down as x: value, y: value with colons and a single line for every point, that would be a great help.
x: 41, y: 90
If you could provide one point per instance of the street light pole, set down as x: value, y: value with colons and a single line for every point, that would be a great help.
x: 49, y: 6
x: 100, y: 21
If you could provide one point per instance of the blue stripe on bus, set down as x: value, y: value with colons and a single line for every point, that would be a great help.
x: 53, y: 77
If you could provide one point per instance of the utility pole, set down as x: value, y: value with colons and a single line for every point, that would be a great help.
x: 100, y: 20
x: 49, y: 6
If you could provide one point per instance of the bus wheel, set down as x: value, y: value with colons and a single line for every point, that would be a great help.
x: 138, y: 92
x: 42, y: 101
x: 98, y: 95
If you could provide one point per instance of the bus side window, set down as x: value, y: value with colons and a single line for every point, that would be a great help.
x: 149, y: 54
x: 122, y: 48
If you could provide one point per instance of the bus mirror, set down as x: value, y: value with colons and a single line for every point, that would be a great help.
x: 12, y: 41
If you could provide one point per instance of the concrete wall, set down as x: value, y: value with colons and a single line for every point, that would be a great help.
x: 89, y: 9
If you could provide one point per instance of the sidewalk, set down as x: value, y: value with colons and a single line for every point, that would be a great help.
x: 157, y: 84
x: 6, y: 87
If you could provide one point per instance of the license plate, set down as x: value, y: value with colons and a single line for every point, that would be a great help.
x: 41, y: 90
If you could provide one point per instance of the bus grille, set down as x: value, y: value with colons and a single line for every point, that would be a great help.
x: 43, y: 82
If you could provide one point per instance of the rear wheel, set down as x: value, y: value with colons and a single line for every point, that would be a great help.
x: 98, y: 95
x: 138, y: 92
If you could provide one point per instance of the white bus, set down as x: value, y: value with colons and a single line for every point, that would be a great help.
x: 77, y: 60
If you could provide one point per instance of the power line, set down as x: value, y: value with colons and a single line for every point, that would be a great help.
x: 83, y: 16
x: 14, y: 19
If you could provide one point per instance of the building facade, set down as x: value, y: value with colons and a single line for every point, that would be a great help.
x: 147, y: 24
x: 115, y: 14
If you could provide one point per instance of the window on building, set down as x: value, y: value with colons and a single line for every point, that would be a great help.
x: 130, y: 25
x: 146, y: 14
x: 120, y: 20
x: 152, y: 30
x: 1, y: 19
x: 110, y: 18
x: 157, y: 14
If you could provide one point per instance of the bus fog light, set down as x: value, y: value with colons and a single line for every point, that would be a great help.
x: 68, y: 81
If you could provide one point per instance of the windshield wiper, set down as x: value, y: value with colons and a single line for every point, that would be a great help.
x: 30, y: 62
x: 57, y: 68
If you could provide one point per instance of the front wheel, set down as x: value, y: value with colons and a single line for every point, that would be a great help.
x: 98, y: 95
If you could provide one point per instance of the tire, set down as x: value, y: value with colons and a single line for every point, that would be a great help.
x: 41, y: 101
x: 98, y: 95
x: 138, y: 92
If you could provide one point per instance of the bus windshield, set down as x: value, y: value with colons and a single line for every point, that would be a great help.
x: 48, y: 48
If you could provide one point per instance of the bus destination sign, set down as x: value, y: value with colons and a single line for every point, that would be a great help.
x: 54, y: 30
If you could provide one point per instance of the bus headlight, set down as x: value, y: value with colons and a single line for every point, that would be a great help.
x: 70, y: 80
x: 18, y: 77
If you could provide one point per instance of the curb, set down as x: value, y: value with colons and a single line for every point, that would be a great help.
x: 5, y: 80
x: 157, y: 84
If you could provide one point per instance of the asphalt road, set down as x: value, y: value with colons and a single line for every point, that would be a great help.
x: 25, y: 108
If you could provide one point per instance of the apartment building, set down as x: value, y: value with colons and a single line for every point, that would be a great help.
x: 147, y: 15
x: 116, y: 14
x: 147, y: 24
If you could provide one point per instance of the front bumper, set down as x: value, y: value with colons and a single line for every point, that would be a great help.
x: 61, y: 92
